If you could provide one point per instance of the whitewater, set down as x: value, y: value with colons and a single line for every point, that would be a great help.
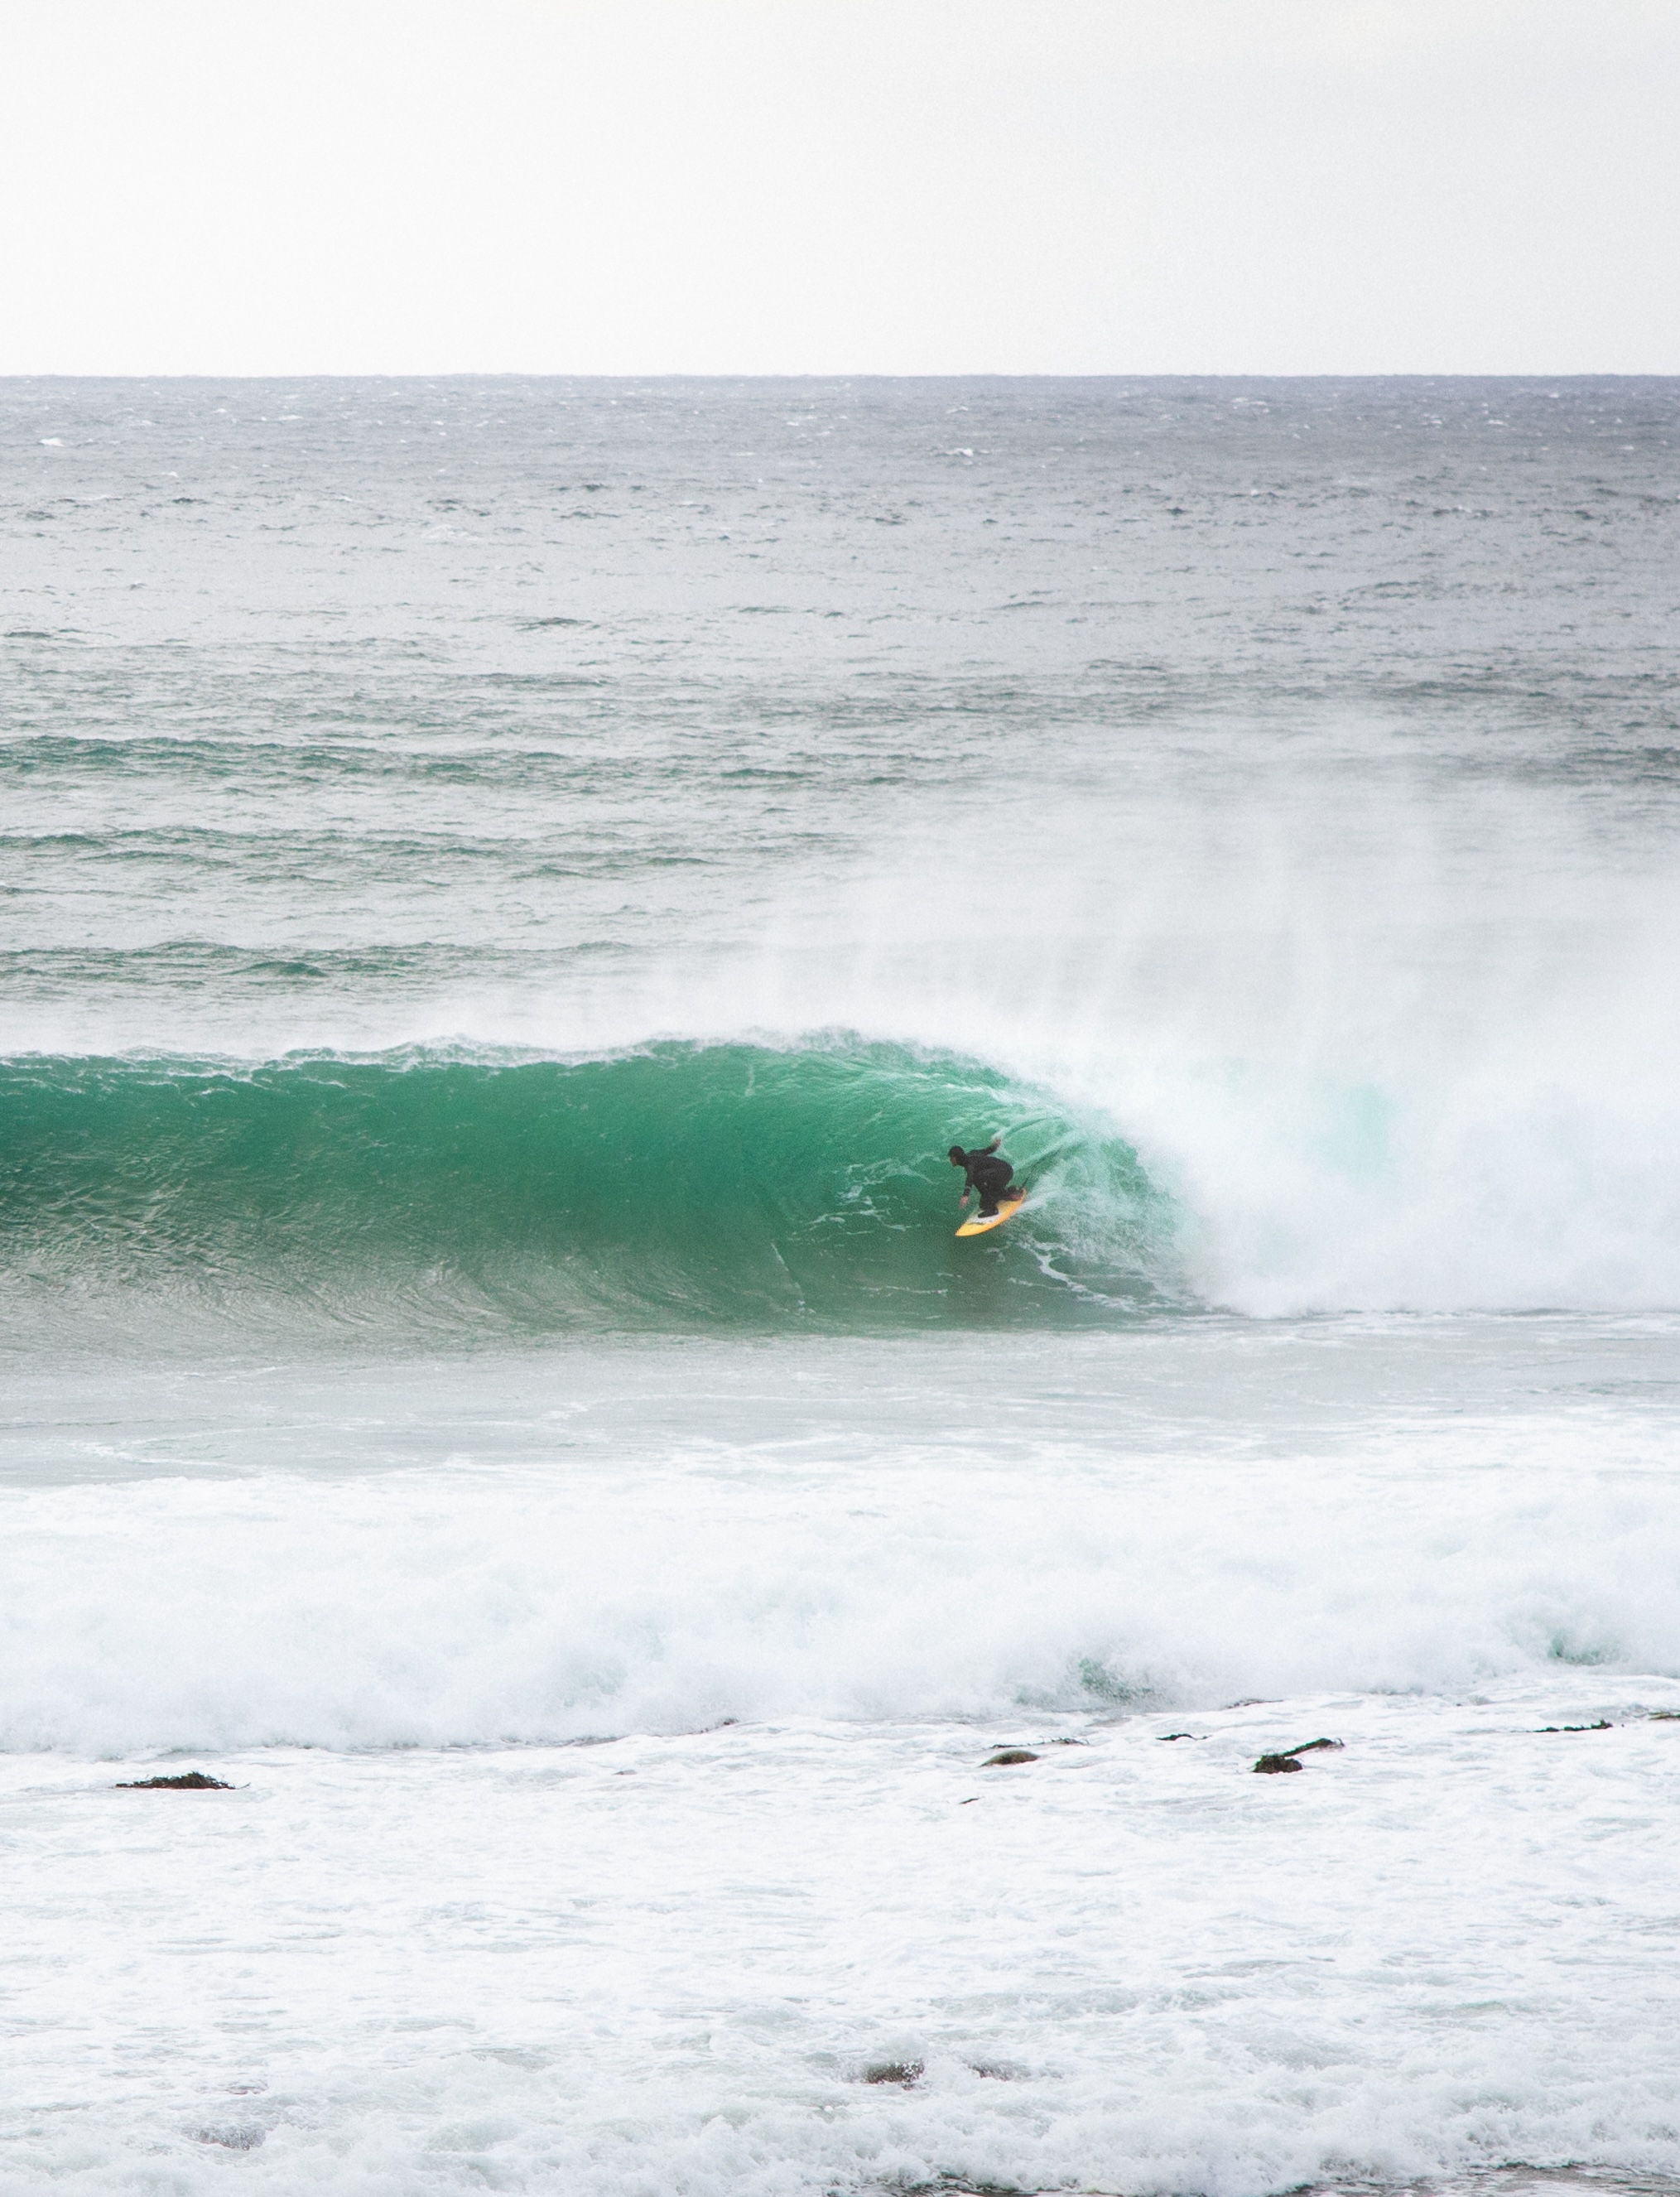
x: 510, y: 889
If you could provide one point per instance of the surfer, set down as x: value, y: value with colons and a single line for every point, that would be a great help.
x: 987, y: 1172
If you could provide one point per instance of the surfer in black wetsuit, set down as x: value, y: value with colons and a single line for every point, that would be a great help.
x: 987, y: 1172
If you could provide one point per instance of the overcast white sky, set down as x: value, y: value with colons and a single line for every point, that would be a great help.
x: 858, y: 186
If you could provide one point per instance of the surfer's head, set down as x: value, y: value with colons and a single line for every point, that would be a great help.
x: 957, y: 1155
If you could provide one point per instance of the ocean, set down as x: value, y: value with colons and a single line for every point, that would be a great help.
x: 510, y: 888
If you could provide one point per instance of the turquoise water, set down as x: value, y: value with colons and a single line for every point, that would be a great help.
x: 677, y: 1186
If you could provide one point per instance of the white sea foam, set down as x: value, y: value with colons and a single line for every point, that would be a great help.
x: 673, y: 1965
x: 527, y: 1590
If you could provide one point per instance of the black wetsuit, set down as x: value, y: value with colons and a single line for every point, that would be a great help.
x: 988, y: 1173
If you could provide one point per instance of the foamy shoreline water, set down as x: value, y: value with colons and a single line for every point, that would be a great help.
x: 510, y: 1548
x: 686, y: 1963
x: 676, y: 1957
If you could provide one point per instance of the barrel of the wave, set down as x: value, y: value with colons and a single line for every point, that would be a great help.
x: 503, y: 1191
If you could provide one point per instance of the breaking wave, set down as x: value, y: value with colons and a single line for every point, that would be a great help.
x: 679, y: 1186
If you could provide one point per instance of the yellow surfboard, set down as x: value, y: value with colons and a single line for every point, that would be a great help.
x: 1011, y: 1201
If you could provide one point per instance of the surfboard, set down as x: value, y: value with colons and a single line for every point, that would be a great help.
x: 1011, y: 1201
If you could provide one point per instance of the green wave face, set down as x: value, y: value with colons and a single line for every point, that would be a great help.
x: 678, y: 1187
